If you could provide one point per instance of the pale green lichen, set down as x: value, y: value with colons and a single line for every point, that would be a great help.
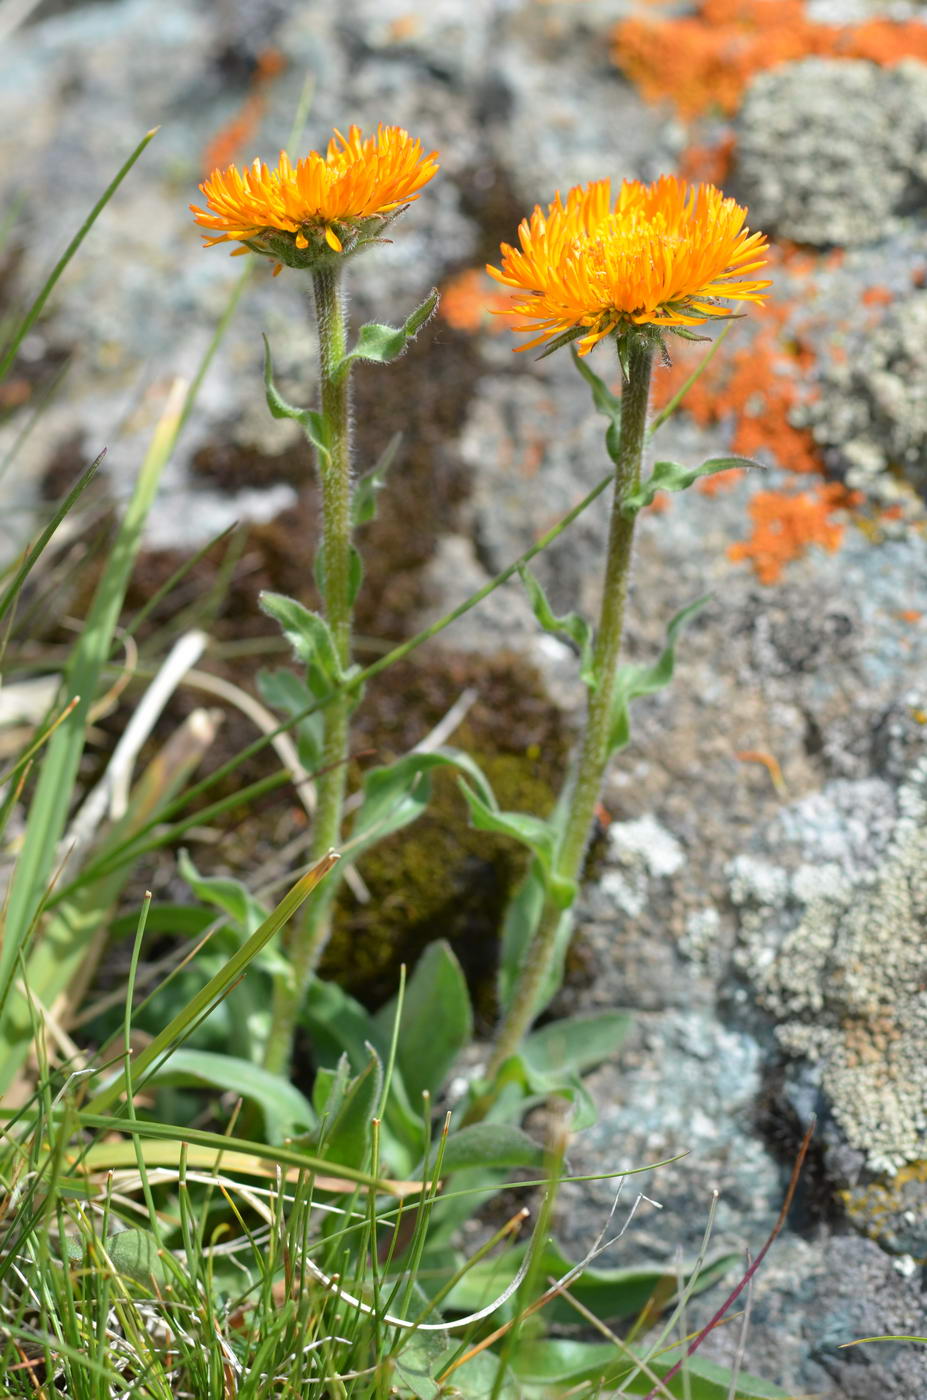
x: 849, y: 988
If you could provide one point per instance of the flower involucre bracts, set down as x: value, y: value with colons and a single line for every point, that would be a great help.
x: 335, y: 203
x: 662, y: 254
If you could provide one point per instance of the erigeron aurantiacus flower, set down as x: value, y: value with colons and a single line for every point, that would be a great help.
x: 669, y: 254
x: 325, y: 204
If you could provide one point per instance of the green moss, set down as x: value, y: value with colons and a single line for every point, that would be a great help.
x: 439, y: 878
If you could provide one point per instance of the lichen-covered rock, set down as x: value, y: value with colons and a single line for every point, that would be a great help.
x: 870, y: 414
x: 848, y: 987
x: 830, y: 152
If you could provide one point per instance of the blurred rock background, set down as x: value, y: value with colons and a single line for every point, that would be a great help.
x: 758, y: 899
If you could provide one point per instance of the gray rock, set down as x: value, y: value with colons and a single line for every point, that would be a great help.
x: 832, y: 151
x: 871, y: 411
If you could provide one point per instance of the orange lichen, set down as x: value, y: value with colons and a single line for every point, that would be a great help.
x: 910, y: 615
x: 758, y: 384
x: 785, y: 525
x: 711, y: 163
x: 468, y: 300
x: 242, y: 128
x: 706, y: 60
x: 877, y: 296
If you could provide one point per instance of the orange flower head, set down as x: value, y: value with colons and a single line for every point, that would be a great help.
x: 324, y: 205
x: 667, y: 255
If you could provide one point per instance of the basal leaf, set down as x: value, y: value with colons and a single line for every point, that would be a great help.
x: 429, y: 1043
x: 491, y: 1145
x: 287, y: 1113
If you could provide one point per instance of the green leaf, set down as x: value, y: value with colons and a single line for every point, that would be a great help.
x: 478, y: 1377
x: 307, y: 633
x: 606, y: 403
x: 347, y: 1139
x: 577, y: 1044
x: 222, y: 892
x: 491, y: 1145
x: 571, y: 624
x: 634, y: 680
x: 285, y: 691
x: 670, y: 476
x: 417, y: 1364
x: 560, y: 1362
x: 381, y: 344
x: 522, y: 916
x: 312, y: 423
x: 559, y: 341
x: 180, y: 920
x: 624, y: 356
x: 287, y: 1113
x: 612, y: 1294
x: 364, y: 499
x: 218, y: 987
x: 397, y: 793
x: 135, y: 1253
x: 339, y: 1025
x: 429, y: 1043
x: 329, y: 1086
x: 534, y: 832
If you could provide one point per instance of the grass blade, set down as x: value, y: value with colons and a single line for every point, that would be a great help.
x: 51, y: 281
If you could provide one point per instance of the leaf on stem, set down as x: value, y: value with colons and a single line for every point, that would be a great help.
x: 635, y: 679
x: 538, y: 835
x: 396, y: 793
x: 571, y: 624
x: 364, y: 499
x: 312, y: 423
x: 289, y: 693
x: 606, y: 403
x: 670, y: 476
x: 308, y: 634
x: 381, y: 344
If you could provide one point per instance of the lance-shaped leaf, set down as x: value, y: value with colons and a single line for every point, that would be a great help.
x: 397, y: 793
x: 540, y: 836
x: 635, y: 679
x: 312, y: 423
x: 286, y: 1112
x: 308, y: 634
x: 428, y: 1044
x: 670, y: 476
x: 364, y: 499
x: 283, y: 690
x: 381, y: 344
x: 571, y: 624
x: 606, y: 403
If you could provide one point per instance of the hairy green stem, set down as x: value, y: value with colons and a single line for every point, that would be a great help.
x: 308, y: 937
x: 594, y: 754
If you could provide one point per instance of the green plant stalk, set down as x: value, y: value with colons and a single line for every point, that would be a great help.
x: 307, y: 939
x: 594, y: 754
x: 130, y: 849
